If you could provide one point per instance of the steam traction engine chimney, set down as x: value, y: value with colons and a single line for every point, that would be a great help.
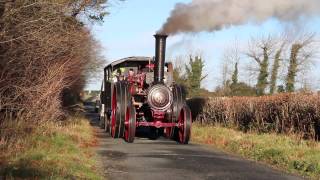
x: 160, y: 57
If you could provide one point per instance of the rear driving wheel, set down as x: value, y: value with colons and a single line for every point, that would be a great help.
x: 179, y: 99
x: 114, y: 124
x: 120, y: 99
x: 184, y: 128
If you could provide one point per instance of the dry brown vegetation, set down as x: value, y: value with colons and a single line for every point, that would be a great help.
x: 46, y: 56
x: 55, y: 152
x: 297, y: 114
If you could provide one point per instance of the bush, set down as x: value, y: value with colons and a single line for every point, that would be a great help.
x: 45, y: 53
x: 46, y: 56
x: 285, y: 113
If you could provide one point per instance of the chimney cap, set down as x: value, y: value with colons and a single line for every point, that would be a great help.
x: 160, y: 35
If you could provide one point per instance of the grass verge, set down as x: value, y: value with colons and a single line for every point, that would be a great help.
x: 287, y: 153
x: 55, y: 152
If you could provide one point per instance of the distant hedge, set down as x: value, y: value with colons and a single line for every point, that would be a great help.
x: 285, y: 113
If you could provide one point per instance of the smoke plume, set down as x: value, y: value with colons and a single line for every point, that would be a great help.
x: 212, y: 15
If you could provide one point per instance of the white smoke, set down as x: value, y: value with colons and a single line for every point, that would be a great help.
x: 212, y: 15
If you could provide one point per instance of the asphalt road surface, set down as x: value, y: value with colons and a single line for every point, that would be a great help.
x: 164, y: 159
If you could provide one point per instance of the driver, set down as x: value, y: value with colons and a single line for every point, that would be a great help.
x: 117, y: 75
x: 130, y: 75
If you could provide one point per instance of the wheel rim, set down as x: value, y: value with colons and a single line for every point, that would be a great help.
x: 130, y: 124
x: 184, y: 129
x: 181, y: 121
x: 178, y: 103
x: 127, y: 125
x: 113, y: 113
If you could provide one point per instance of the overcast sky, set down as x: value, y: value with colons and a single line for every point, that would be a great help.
x: 129, y: 29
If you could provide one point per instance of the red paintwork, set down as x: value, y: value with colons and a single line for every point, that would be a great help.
x: 181, y: 120
x: 136, y: 82
x: 150, y: 66
x: 183, y: 125
x: 138, y: 78
x: 126, y: 124
x: 158, y: 115
x: 157, y: 124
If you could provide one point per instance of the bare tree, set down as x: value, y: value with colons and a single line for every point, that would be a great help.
x: 260, y: 51
x: 231, y: 56
x: 301, y: 55
x: 178, y: 71
x: 278, y: 58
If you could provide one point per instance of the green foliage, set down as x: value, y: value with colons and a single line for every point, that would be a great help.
x: 281, y: 89
x: 178, y: 76
x: 238, y: 89
x: 242, y: 89
x: 235, y: 88
x: 275, y: 70
x: 235, y: 74
x: 94, y: 11
x: 194, y: 74
x: 263, y: 73
x: 192, y: 77
x: 293, y: 67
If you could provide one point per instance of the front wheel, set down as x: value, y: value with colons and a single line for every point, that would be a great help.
x: 183, y: 131
x: 130, y: 124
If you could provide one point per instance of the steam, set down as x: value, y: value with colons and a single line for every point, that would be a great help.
x: 212, y: 15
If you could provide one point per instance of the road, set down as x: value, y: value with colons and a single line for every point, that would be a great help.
x: 163, y: 159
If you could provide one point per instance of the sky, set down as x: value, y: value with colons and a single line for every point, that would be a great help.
x: 129, y: 29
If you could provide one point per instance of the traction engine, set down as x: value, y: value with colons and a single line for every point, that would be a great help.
x: 140, y: 92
